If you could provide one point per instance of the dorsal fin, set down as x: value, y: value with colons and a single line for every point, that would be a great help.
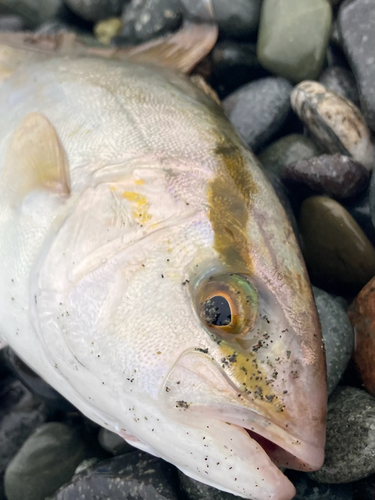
x: 35, y: 160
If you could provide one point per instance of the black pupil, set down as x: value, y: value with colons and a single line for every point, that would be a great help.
x: 217, y: 311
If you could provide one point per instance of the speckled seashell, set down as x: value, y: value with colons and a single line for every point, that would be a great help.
x: 335, y: 122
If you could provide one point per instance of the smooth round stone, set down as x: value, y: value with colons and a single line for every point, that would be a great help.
x: 46, y: 461
x: 96, y: 10
x: 308, y: 489
x: 293, y: 37
x: 356, y: 21
x: 350, y: 445
x: 113, y: 443
x: 288, y: 149
x: 134, y: 476
x: 233, y: 65
x: 359, y: 209
x: 11, y: 23
x: 342, y: 82
x: 20, y: 414
x: 334, y: 122
x: 334, y: 175
x: 194, y: 490
x: 143, y: 20
x: 238, y: 19
x: 32, y: 12
x: 362, y: 316
x: 259, y: 109
x: 338, y: 336
x: 338, y: 255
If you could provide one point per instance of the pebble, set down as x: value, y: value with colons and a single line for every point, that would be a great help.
x: 337, y: 334
x: 350, y: 445
x: 194, y: 490
x: 334, y: 175
x: 259, y: 109
x: 20, y: 414
x: 356, y: 21
x: 107, y: 29
x: 11, y: 23
x: 237, y: 19
x: 359, y: 209
x: 32, y: 12
x: 146, y: 19
x: 334, y: 122
x: 307, y: 489
x: 133, y: 476
x: 338, y: 255
x: 288, y: 149
x: 233, y: 65
x: 46, y: 461
x: 293, y: 37
x: 113, y: 443
x: 96, y: 10
x: 342, y: 82
x: 362, y: 316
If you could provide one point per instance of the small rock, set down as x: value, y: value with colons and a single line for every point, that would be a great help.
x: 194, y: 490
x: 334, y: 175
x: 259, y: 109
x: 32, y: 12
x: 45, y: 462
x: 359, y: 209
x: 233, y: 65
x: 11, y: 23
x: 334, y: 121
x: 356, y: 21
x: 20, y: 415
x: 96, y: 10
x: 238, y: 19
x: 134, y: 476
x: 362, y: 316
x: 113, y: 443
x: 293, y: 37
x: 342, y: 82
x: 107, y: 29
x: 288, y: 149
x: 338, y: 255
x: 146, y: 19
x: 307, y: 489
x: 337, y: 334
x: 350, y: 445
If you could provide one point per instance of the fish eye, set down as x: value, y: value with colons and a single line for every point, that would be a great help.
x: 228, y: 304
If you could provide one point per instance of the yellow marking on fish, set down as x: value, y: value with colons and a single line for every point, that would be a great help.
x: 141, y: 212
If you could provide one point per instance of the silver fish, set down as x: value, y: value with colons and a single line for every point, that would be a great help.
x: 149, y: 273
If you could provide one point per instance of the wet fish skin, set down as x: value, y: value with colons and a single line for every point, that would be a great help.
x: 124, y: 189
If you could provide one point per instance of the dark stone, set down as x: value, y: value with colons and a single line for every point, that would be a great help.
x: 53, y: 27
x: 233, y: 65
x: 350, y: 445
x: 337, y: 334
x: 359, y: 209
x: 133, y: 476
x: 341, y: 81
x: 45, y: 462
x: 334, y: 175
x: 356, y: 20
x: 11, y: 23
x: 308, y: 489
x: 32, y: 12
x: 113, y: 443
x: 96, y: 10
x: 259, y: 109
x: 147, y: 19
x: 195, y: 490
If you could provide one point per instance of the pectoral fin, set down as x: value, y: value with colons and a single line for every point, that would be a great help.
x: 35, y: 160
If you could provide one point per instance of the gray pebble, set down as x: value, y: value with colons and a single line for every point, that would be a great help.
x: 32, y: 12
x: 342, y: 82
x: 350, y: 446
x: 359, y: 209
x: 46, y: 461
x: 337, y: 334
x: 195, y: 490
x: 307, y: 489
x: 259, y: 109
x: 357, y: 27
x: 334, y: 121
x: 96, y: 10
x: 11, y: 23
x: 113, y: 443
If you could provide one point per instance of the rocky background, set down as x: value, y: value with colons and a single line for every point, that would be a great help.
x: 315, y: 142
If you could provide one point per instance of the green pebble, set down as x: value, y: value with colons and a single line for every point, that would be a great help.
x: 293, y: 37
x: 288, y: 149
x: 338, y: 254
x: 45, y: 462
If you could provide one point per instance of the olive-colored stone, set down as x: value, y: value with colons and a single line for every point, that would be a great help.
x: 107, y: 29
x: 293, y: 37
x: 338, y: 254
x: 362, y: 316
x: 288, y: 149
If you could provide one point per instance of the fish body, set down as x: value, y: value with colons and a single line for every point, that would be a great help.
x: 128, y: 206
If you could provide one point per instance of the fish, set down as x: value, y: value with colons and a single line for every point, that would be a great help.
x: 148, y: 270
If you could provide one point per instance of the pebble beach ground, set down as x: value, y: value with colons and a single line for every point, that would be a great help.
x: 297, y: 80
